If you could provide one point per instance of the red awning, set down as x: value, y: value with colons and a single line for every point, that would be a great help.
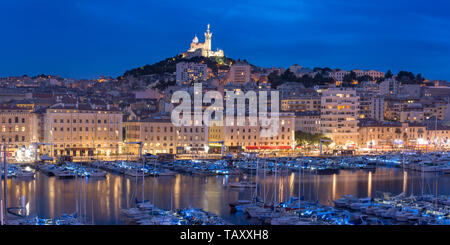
x: 268, y: 147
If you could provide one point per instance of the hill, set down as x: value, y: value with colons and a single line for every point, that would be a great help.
x: 168, y: 65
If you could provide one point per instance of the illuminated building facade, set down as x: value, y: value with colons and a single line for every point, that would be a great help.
x: 202, y: 49
x: 301, y: 103
x: 308, y: 122
x: 378, y: 135
x: 156, y: 135
x: 82, y: 130
x: 339, y: 116
x: 19, y: 129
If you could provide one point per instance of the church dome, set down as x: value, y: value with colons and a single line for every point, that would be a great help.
x: 195, y: 40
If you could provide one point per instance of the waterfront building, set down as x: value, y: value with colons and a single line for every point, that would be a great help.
x: 438, y: 135
x: 249, y: 138
x: 158, y: 135
x: 82, y: 130
x: 379, y: 135
x: 19, y: 129
x: 339, y: 116
x: 192, y: 139
x: 308, y: 122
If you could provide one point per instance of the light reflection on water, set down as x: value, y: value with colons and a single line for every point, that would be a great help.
x: 101, y: 200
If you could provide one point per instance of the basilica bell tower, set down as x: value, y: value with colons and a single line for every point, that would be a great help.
x: 208, y: 36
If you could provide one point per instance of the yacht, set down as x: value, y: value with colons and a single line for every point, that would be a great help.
x: 63, y: 173
x: 242, y: 184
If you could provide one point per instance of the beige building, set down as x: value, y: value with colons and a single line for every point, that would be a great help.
x: 339, y: 75
x: 391, y: 135
x: 394, y: 107
x: 19, y: 130
x: 156, y: 135
x: 339, y: 116
x: 301, y: 103
x: 436, y: 109
x: 249, y: 137
x: 308, y: 122
x: 438, y: 136
x: 161, y: 136
x: 191, y: 139
x: 82, y: 131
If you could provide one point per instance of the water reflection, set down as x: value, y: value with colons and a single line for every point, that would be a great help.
x: 102, y: 200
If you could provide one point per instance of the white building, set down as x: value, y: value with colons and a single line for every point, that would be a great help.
x: 389, y: 86
x: 339, y: 116
x: 339, y: 75
x: 377, y: 108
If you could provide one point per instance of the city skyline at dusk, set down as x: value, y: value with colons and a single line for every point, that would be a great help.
x: 250, y: 113
x: 87, y: 39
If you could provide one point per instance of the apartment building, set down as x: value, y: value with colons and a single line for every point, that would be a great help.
x: 339, y: 116
x: 301, y: 103
x: 308, y: 122
x: 240, y: 73
x: 82, y: 130
x: 188, y: 72
x: 18, y: 130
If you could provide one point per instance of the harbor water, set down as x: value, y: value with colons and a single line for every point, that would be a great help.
x: 100, y: 201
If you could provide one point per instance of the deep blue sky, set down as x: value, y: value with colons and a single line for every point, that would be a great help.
x: 88, y: 38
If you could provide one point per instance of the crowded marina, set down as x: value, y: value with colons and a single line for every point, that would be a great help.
x: 263, y: 181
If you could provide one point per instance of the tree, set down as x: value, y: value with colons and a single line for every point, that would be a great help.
x: 388, y: 74
x: 288, y: 75
x: 348, y: 79
x: 406, y: 77
x: 274, y: 79
x: 364, y: 78
x: 305, y: 139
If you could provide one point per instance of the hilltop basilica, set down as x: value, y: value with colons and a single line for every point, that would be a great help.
x: 202, y: 49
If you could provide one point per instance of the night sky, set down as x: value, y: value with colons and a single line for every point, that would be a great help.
x: 89, y: 38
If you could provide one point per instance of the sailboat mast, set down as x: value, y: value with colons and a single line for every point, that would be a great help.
x: 1, y: 192
x: 5, y: 185
x: 275, y: 184
x: 256, y: 178
x: 265, y: 170
x: 299, y: 182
